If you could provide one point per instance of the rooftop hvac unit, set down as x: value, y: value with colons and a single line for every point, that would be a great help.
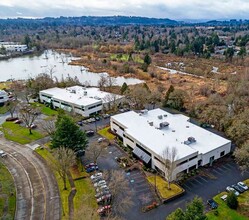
x: 191, y: 139
x: 165, y: 115
x: 163, y: 124
x: 151, y: 123
x: 145, y: 111
x: 160, y: 117
x: 85, y: 93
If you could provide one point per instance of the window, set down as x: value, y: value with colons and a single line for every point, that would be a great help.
x: 1, y: 97
x: 192, y: 158
x: 128, y: 138
x: 141, y: 148
x: 179, y: 164
x: 158, y: 160
x: 222, y: 153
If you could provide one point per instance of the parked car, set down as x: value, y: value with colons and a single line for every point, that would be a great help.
x: 2, y: 154
x: 106, y: 199
x: 32, y: 126
x: 89, y: 133
x: 104, y: 210
x: 18, y: 121
x: 212, y: 204
x: 101, y: 139
x: 102, y: 193
x: 100, y: 183
x: 97, y: 118
x: 101, y: 188
x: 96, y: 175
x: 230, y: 189
x: 91, y: 169
x: 238, y: 188
x: 106, y: 116
x: 243, y: 185
x: 97, y: 180
x: 11, y: 119
x: 80, y: 123
x: 80, y: 153
x: 90, y: 165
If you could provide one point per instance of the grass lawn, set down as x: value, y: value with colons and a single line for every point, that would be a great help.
x: 7, y: 191
x: 85, y: 191
x: 162, y: 187
x: 224, y: 212
x: 45, y: 110
x: 125, y: 57
x: 3, y: 109
x: 104, y: 132
x: 17, y: 133
x: 5, y: 85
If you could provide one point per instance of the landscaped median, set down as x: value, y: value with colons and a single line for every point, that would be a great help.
x: 162, y: 188
x: 224, y: 212
x: 84, y: 198
x: 105, y: 132
x: 45, y: 109
x: 17, y: 133
x: 7, y: 194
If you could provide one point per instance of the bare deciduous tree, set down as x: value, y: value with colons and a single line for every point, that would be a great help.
x: 121, y: 193
x: 96, y: 150
x: 28, y: 114
x: 48, y: 125
x: 64, y: 159
x: 102, y: 82
x: 11, y: 107
x: 169, y: 157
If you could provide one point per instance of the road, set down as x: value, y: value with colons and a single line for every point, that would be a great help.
x: 36, y: 189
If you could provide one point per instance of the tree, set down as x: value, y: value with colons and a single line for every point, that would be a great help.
x: 68, y: 134
x: 178, y: 214
x: 48, y: 125
x: 195, y: 210
x: 121, y: 193
x: 11, y: 107
x: 102, y: 82
x: 169, y: 157
x: 64, y: 159
x: 241, y: 156
x: 166, y: 98
x: 96, y: 150
x: 28, y: 114
x: 232, y: 201
x: 176, y: 99
x: 229, y: 52
x: 124, y: 87
x: 147, y: 59
x: 242, y: 52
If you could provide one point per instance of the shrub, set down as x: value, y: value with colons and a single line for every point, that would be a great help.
x: 232, y: 201
x: 216, y: 212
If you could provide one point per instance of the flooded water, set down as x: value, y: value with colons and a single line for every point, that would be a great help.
x: 54, y: 64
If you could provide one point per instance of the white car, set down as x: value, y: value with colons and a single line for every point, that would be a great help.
x: 243, y: 185
x: 2, y: 154
x: 96, y: 175
x: 101, y: 188
x: 100, y: 183
x: 230, y: 189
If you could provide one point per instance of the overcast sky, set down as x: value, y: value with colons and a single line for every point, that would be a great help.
x: 173, y: 9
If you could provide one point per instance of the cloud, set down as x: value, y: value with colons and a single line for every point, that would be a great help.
x: 175, y: 9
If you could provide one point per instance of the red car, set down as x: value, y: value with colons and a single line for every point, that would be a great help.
x: 104, y: 210
x: 90, y: 165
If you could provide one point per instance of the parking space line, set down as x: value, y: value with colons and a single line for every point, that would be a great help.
x: 143, y: 190
x: 198, y: 181
x: 219, y: 168
x: 216, y: 171
x: 226, y: 168
x: 188, y: 187
x: 141, y: 185
x: 203, y: 179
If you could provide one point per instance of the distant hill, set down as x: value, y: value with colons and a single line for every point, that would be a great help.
x: 92, y: 20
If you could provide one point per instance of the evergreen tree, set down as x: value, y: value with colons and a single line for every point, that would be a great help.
x: 147, y: 59
x: 68, y: 134
x: 124, y: 88
x: 166, y: 98
x: 232, y: 201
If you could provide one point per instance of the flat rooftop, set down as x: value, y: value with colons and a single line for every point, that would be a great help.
x: 145, y: 128
x: 81, y: 95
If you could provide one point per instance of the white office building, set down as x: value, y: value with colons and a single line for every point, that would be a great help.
x: 3, y: 96
x: 81, y: 100
x: 148, y: 133
x: 13, y: 47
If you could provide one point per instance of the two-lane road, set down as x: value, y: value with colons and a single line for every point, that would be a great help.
x: 36, y: 188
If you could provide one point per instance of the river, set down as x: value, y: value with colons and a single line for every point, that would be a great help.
x: 55, y: 63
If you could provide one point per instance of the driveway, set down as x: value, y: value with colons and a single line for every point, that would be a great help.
x: 36, y: 189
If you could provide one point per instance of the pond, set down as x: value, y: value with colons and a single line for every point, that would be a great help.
x: 54, y: 63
